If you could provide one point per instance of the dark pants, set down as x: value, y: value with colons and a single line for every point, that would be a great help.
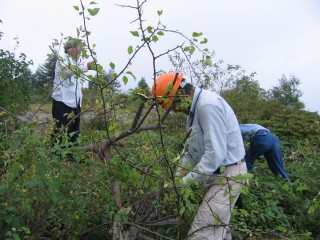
x: 68, y: 117
x: 267, y: 144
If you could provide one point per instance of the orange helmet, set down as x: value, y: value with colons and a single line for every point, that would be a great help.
x: 166, y: 84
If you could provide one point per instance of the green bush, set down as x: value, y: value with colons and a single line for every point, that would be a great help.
x: 44, y: 193
x: 275, y: 208
x: 14, y: 85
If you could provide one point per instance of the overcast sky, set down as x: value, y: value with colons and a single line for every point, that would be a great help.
x: 269, y: 37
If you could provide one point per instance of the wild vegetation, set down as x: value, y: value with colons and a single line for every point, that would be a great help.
x: 123, y: 185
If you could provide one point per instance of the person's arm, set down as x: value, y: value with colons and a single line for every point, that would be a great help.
x: 212, y: 122
x: 243, y: 133
x: 67, y: 71
x: 187, y: 164
x: 246, y: 135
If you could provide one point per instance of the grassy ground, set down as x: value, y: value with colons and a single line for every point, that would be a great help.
x: 43, y: 108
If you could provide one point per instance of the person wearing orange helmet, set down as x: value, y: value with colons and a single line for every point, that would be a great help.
x: 166, y: 87
x: 213, y: 153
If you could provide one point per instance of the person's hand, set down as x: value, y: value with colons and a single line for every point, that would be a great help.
x: 179, y: 182
x: 181, y: 172
x: 188, y: 182
x: 90, y: 65
x: 184, y: 182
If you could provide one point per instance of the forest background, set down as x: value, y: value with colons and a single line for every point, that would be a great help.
x: 124, y: 186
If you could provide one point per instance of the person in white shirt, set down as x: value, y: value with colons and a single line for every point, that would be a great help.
x: 67, y: 90
x: 213, y: 155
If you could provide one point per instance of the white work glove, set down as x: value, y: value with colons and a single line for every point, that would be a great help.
x: 184, y: 182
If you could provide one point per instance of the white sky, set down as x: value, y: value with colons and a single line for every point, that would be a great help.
x: 270, y: 37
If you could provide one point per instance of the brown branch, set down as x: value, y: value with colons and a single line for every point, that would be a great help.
x: 149, y: 231
x: 137, y: 117
x: 170, y: 220
x: 168, y: 51
x: 147, y: 170
x: 115, y: 187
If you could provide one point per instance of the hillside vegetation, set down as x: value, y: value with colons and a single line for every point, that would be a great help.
x: 124, y: 184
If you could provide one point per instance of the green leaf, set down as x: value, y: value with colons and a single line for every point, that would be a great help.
x: 12, y: 209
x: 117, y: 217
x: 125, y: 80
x: 189, y: 165
x: 112, y: 65
x: 182, y: 210
x: 220, y: 181
x: 307, y: 234
x: 244, y: 212
x: 113, y: 76
x: 40, y: 168
x: 26, y: 230
x: 243, y: 176
x: 245, y: 190
x: 155, y: 38
x: 286, y: 187
x: 160, y: 12
x: 209, y: 61
x: 150, y: 29
x: 160, y: 33
x: 130, y: 50
x: 192, y: 49
x: 301, y: 188
x: 311, y: 209
x: 16, y: 236
x: 131, y: 74
x: 125, y: 218
x: 205, y: 40
x: 122, y: 210
x: 135, y: 33
x: 157, y: 172
x: 93, y: 11
x: 76, y: 8
x: 100, y: 69
x: 196, y: 34
x: 54, y: 197
x: 281, y: 229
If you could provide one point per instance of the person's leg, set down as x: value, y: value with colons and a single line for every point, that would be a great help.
x: 74, y: 127
x: 250, y: 158
x: 59, y: 109
x: 212, y: 219
x: 239, y: 202
x: 63, y: 122
x: 274, y: 158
